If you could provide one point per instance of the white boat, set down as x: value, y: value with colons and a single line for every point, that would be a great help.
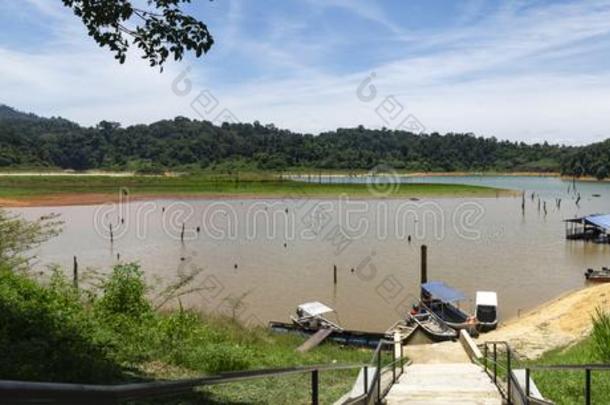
x: 486, y: 310
x: 310, y: 315
x: 310, y: 321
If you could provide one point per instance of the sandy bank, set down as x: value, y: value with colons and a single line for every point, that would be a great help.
x: 92, y: 173
x: 69, y: 199
x: 557, y: 323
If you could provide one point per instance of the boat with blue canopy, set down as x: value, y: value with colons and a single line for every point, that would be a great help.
x: 443, y: 301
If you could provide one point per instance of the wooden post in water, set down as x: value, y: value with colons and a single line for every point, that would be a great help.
x: 111, y: 234
x: 424, y: 265
x: 335, y: 274
x: 544, y: 207
x: 182, y: 233
x: 75, y: 274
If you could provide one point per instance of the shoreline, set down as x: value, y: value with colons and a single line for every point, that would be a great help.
x: 331, y: 173
x: 450, y: 174
x: 85, y: 199
x: 558, y: 323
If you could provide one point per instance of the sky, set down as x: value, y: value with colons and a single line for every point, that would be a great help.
x: 528, y: 71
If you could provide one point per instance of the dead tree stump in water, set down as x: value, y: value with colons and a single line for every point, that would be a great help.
x: 424, y: 266
x: 75, y: 274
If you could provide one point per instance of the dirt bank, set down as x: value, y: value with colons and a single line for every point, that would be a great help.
x: 557, y: 323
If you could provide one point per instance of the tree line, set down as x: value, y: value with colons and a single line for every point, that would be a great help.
x: 27, y: 140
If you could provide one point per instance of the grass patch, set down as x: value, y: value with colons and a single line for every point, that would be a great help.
x: 568, y: 387
x: 50, y: 332
x: 23, y: 187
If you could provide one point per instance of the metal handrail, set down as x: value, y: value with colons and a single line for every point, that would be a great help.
x: 588, y: 368
x: 558, y: 367
x: 48, y: 392
x: 524, y: 393
x: 369, y: 396
x: 509, y: 375
x: 27, y: 391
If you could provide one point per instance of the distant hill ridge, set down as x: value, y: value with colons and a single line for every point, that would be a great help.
x: 9, y: 113
x: 28, y: 140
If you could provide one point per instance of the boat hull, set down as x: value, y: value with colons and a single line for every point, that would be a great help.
x: 487, y: 326
x: 454, y: 317
x: 434, y: 328
x: 345, y: 337
x: 598, y: 276
x: 599, y: 279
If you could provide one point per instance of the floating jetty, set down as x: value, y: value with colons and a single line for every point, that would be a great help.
x: 594, y: 228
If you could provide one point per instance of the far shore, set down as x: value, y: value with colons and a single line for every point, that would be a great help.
x: 447, y: 174
x: 312, y: 174
x: 40, y: 190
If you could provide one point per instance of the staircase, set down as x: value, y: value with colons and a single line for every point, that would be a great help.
x: 444, y: 383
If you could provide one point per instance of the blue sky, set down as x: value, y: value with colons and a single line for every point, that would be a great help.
x: 519, y: 70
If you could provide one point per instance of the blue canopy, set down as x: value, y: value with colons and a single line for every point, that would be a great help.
x: 442, y: 291
x: 602, y: 221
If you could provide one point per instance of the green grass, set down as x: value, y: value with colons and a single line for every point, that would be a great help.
x: 50, y: 332
x: 255, y: 184
x: 567, y: 387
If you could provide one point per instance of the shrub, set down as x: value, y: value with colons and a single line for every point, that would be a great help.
x: 601, y: 334
x: 46, y: 334
x: 124, y: 292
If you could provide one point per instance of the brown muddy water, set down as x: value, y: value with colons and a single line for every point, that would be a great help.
x: 273, y: 254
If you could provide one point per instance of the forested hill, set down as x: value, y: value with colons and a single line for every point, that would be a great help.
x: 27, y: 140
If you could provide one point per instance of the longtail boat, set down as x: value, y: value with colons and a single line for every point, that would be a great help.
x: 310, y: 320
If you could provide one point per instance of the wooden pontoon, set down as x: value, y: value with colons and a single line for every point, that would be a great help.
x: 594, y: 228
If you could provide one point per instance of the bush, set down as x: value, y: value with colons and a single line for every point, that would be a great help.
x: 46, y: 334
x: 601, y: 334
x: 51, y: 332
x: 124, y: 292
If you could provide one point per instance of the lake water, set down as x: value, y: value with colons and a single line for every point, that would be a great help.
x: 273, y: 254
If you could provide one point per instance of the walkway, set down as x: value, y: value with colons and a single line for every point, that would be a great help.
x: 442, y: 373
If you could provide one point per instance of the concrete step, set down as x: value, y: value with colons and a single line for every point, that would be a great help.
x: 451, y: 383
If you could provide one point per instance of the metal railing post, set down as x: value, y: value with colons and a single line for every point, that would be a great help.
x: 495, y: 365
x: 588, y: 386
x: 378, y: 373
x: 527, y: 385
x: 402, y: 363
x: 485, y: 356
x: 509, y: 376
x: 366, y: 379
x: 314, y: 387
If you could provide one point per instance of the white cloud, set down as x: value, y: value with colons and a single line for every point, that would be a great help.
x: 492, y: 77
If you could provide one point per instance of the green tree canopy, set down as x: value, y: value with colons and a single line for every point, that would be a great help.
x: 159, y: 31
